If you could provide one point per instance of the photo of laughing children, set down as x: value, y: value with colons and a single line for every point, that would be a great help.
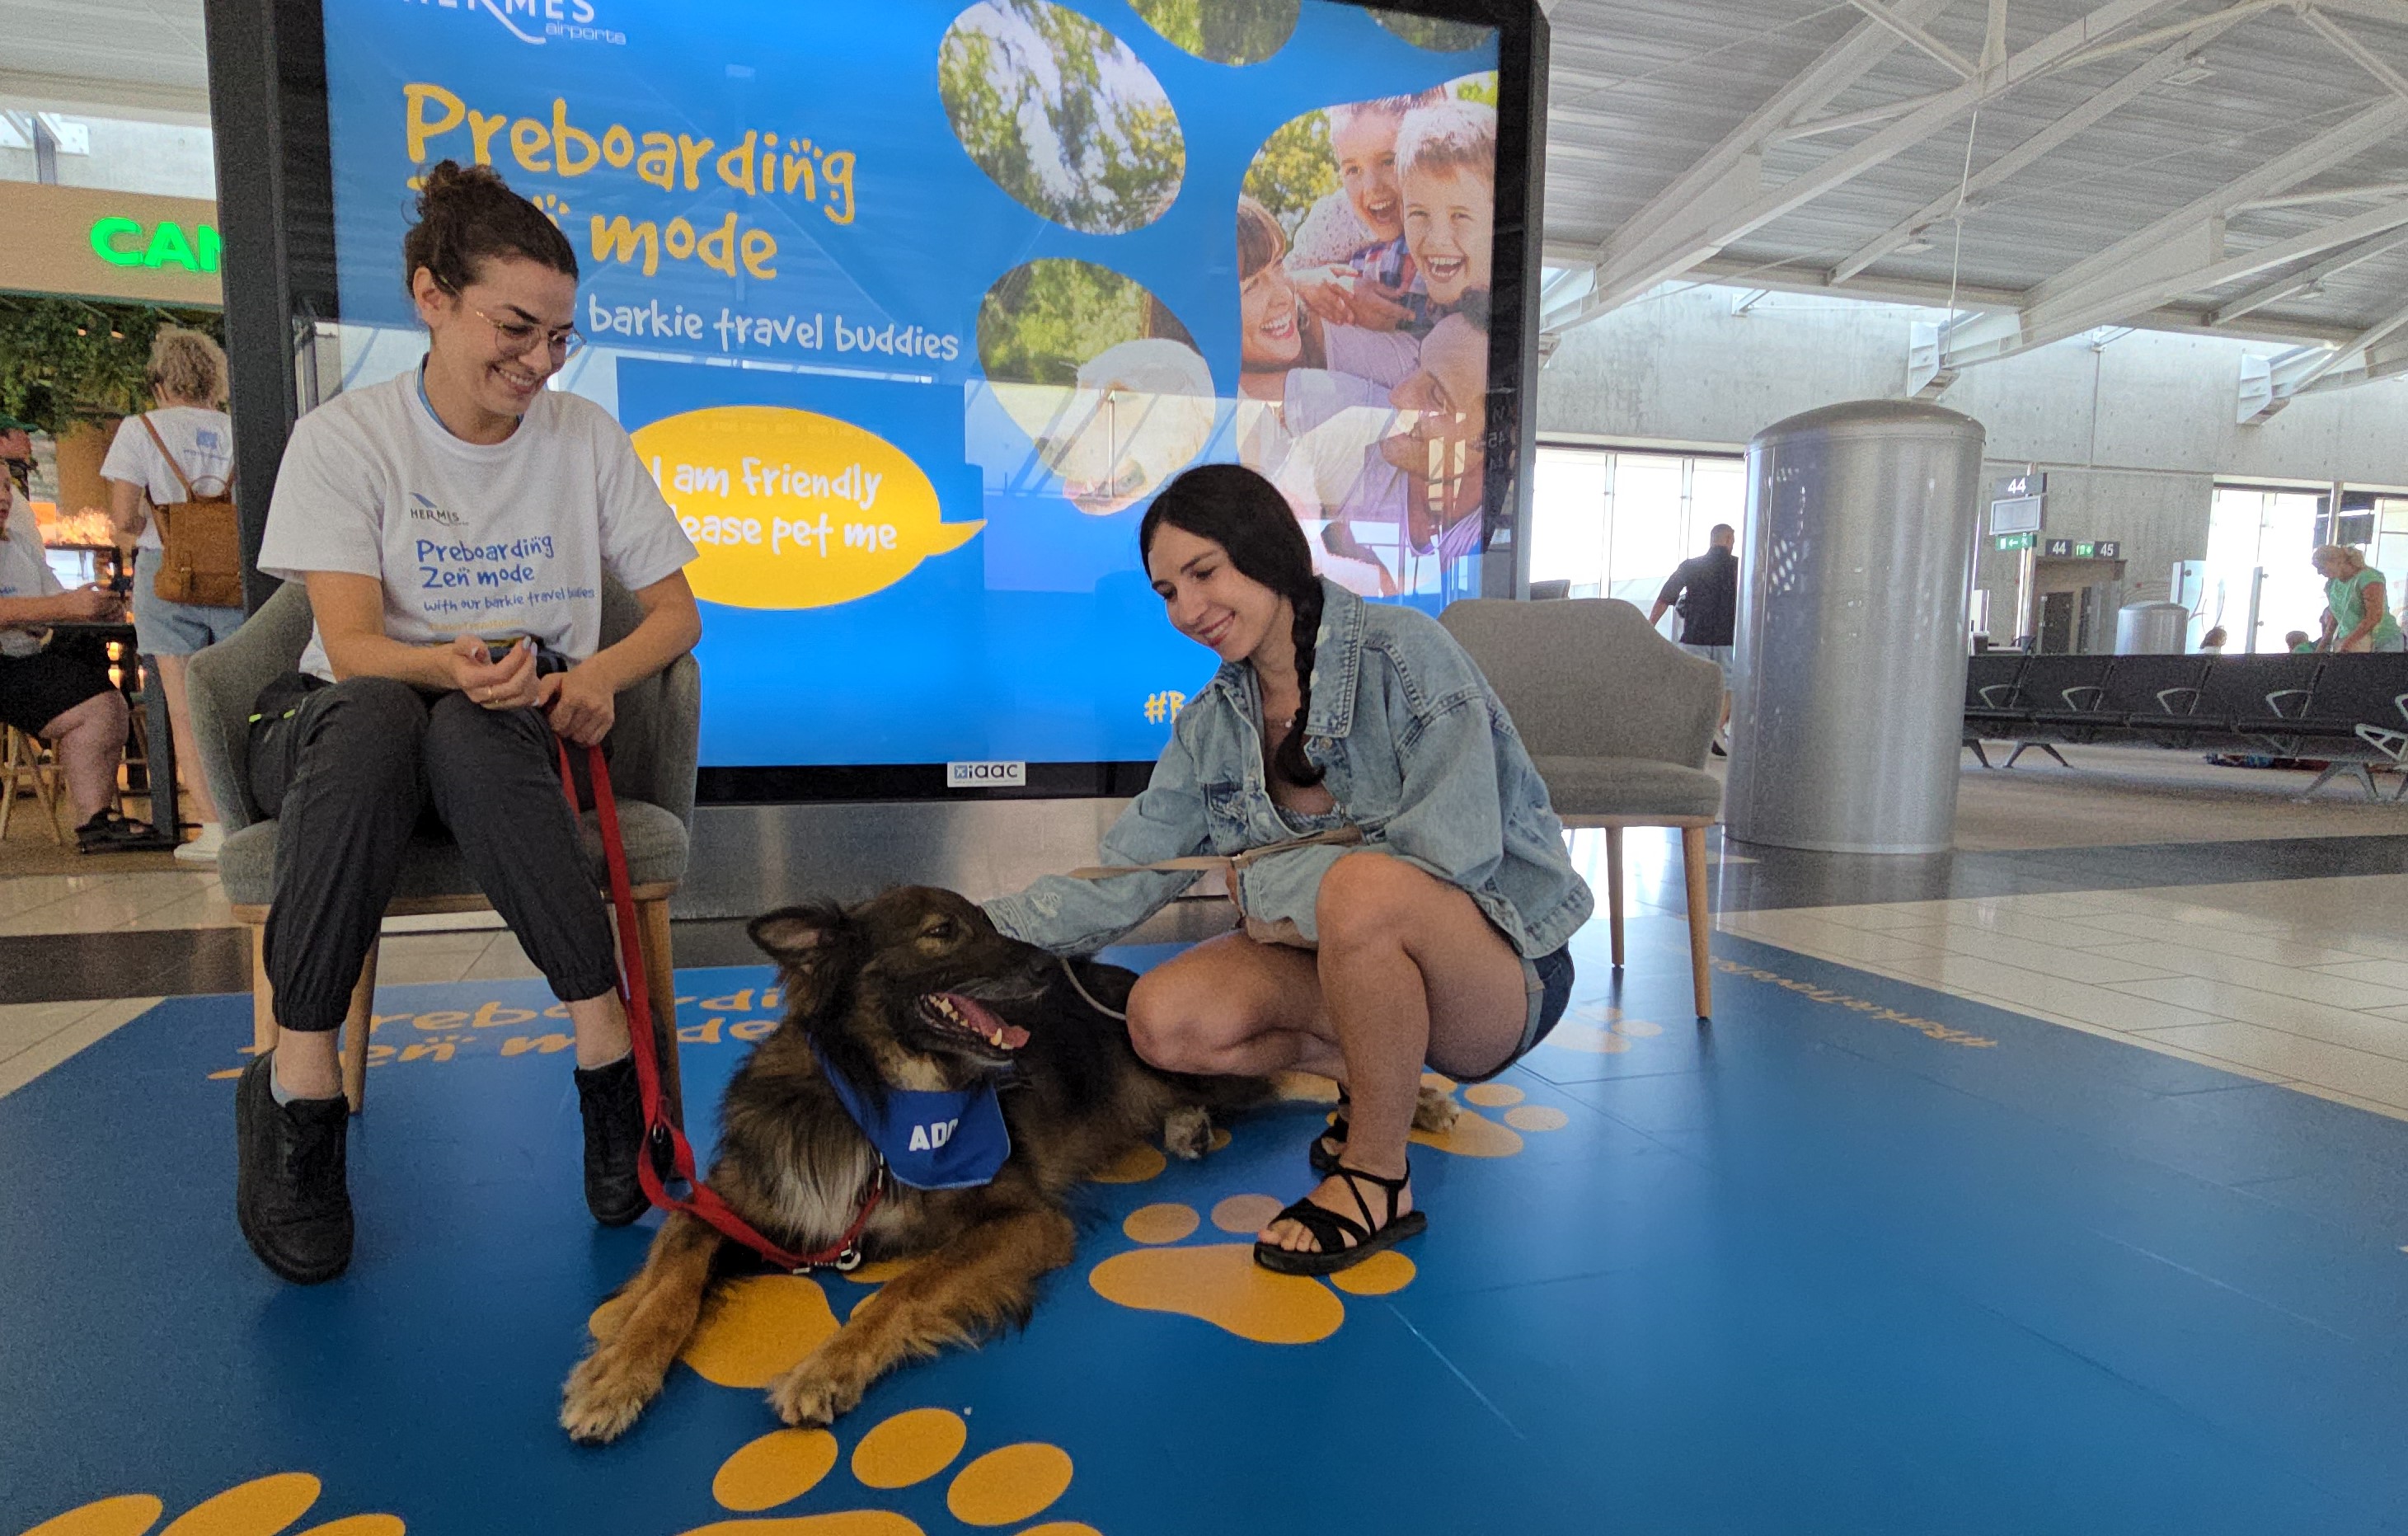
x: 1364, y: 333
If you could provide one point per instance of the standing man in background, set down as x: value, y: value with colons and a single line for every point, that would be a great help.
x: 1706, y: 590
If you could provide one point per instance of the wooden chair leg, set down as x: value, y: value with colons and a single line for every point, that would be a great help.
x: 660, y: 971
x: 1614, y: 889
x: 356, y: 1026
x: 9, y: 782
x: 1693, y: 851
x: 262, y: 999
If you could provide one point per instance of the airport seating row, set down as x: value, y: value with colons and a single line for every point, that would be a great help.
x: 2351, y: 710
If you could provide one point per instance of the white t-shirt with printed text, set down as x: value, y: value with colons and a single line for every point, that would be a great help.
x: 497, y: 540
x: 24, y: 572
x: 202, y: 441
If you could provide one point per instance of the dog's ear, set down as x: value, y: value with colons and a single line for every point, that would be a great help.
x: 796, y: 936
x: 807, y: 944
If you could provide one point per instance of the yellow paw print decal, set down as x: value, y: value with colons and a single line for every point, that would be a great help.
x: 1465, y: 1134
x: 1001, y: 1487
x: 1220, y: 1282
x: 1599, y: 1029
x: 261, y: 1507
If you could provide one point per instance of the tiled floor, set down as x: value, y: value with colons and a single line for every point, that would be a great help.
x: 2298, y: 982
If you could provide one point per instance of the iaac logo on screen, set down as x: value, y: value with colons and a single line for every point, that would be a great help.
x: 538, y: 22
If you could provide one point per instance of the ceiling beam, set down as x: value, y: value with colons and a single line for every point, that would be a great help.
x: 1731, y: 170
x: 2304, y: 280
x: 1644, y: 253
x: 2187, y: 264
x: 2357, y: 53
x: 2312, y: 157
x: 2381, y: 191
x: 2381, y: 330
x: 2025, y: 154
x: 1738, y: 272
x: 101, y: 96
x: 1816, y: 127
x: 2269, y: 384
x: 1956, y: 61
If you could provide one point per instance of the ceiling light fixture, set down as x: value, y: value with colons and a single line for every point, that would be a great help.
x: 2194, y: 70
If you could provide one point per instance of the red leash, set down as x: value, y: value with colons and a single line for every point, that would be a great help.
x: 664, y: 1141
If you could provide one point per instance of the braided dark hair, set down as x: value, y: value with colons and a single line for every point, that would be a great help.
x: 1240, y: 510
x: 468, y: 215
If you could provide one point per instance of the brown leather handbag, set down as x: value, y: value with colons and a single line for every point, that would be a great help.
x: 200, y: 538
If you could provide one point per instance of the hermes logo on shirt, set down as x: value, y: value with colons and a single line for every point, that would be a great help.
x: 423, y: 511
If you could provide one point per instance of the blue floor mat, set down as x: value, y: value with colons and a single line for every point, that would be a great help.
x: 1856, y: 1256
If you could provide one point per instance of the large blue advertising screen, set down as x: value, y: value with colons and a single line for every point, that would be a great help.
x: 911, y: 308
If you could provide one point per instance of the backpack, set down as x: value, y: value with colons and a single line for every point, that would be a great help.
x: 200, y: 541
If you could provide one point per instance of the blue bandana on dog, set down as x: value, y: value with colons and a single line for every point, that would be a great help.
x: 950, y: 1139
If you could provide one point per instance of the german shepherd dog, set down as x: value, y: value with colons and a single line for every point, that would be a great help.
x: 915, y: 989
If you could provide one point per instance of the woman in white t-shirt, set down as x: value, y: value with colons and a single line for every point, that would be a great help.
x: 188, y: 380
x: 454, y: 526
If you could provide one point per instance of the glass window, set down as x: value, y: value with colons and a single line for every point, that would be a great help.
x: 2259, y: 541
x: 1650, y: 532
x: 1568, y: 520
x: 1615, y: 523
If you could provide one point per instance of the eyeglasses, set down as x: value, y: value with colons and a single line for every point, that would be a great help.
x: 517, y: 336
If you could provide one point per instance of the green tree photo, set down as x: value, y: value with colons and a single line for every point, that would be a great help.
x: 1044, y: 318
x: 1234, y: 32
x: 1061, y: 115
x: 1430, y: 33
x: 1293, y: 169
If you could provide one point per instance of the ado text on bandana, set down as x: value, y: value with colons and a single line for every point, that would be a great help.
x: 950, y: 1139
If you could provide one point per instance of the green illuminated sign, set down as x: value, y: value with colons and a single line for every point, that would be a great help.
x: 124, y: 242
x: 2016, y: 541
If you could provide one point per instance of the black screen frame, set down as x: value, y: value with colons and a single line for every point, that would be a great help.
x: 268, y: 97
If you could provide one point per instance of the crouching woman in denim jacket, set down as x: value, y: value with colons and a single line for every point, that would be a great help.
x: 1438, y: 936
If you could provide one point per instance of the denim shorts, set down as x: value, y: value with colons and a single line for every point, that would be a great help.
x: 1548, y: 983
x: 1719, y: 654
x: 162, y: 629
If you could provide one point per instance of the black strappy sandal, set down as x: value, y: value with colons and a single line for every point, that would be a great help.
x: 108, y: 832
x: 1345, y: 1241
x: 1324, y: 1162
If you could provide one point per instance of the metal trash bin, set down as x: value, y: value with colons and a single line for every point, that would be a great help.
x: 2151, y: 629
x: 1849, y: 667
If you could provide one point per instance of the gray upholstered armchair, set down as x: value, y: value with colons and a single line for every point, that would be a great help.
x: 653, y: 747
x: 1617, y: 720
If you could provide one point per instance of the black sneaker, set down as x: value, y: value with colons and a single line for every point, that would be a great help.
x: 290, y: 1192
x: 613, y: 1107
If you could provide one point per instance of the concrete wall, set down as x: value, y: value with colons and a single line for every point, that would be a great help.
x: 172, y: 160
x: 2133, y: 433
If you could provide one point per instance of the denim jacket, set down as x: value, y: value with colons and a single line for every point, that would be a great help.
x: 1420, y: 756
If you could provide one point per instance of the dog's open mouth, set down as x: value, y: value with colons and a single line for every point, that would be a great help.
x: 952, y: 1012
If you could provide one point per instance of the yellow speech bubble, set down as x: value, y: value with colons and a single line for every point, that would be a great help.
x: 790, y: 509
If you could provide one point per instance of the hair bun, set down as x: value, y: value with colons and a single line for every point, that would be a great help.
x: 450, y: 182
x: 467, y: 215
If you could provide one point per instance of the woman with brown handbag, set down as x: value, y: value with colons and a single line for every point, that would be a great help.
x: 163, y: 459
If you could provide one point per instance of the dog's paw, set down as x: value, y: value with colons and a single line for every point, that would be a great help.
x: 1435, y: 1110
x: 603, y: 1399
x: 1188, y: 1132
x: 810, y: 1397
